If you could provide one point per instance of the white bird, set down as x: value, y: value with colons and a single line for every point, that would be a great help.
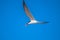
x: 28, y: 13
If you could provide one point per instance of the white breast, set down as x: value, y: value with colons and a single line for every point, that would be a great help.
x: 32, y: 22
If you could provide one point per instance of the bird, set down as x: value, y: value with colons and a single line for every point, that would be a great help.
x: 31, y: 17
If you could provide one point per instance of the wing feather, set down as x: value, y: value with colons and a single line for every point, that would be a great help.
x: 27, y: 11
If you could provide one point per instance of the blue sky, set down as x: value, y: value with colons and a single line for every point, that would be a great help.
x: 13, y: 19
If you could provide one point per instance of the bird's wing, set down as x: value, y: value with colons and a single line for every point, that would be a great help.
x: 27, y: 11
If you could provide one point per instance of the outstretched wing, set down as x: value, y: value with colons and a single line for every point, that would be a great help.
x: 27, y: 11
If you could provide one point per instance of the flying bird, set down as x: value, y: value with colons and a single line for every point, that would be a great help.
x: 32, y: 19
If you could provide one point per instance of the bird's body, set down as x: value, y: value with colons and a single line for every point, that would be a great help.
x: 28, y: 13
x: 32, y: 22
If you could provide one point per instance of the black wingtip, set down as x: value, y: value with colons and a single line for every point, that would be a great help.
x: 23, y: 2
x: 45, y: 22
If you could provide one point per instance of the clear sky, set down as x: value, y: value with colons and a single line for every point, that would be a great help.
x: 13, y: 19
